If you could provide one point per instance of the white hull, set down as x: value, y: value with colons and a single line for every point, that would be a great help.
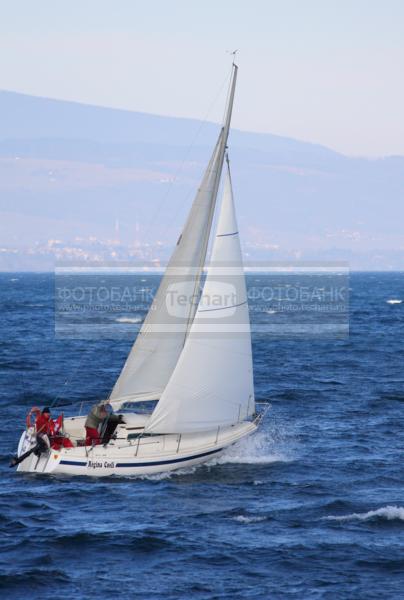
x: 145, y: 455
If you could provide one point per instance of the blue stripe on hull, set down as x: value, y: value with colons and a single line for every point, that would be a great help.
x: 156, y: 463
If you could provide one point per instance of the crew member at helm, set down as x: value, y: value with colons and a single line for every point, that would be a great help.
x: 99, y: 415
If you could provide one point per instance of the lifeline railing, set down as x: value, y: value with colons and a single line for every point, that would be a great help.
x: 257, y: 420
x: 259, y: 416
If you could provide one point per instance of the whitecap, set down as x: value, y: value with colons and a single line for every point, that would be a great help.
x: 246, y: 520
x: 394, y: 301
x: 128, y: 320
x: 168, y: 474
x: 390, y: 513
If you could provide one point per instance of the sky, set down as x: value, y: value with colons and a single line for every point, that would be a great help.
x: 324, y: 71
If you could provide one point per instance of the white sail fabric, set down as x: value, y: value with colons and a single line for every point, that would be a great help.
x: 212, y: 384
x: 159, y: 343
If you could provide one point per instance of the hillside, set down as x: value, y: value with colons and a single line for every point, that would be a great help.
x: 71, y: 170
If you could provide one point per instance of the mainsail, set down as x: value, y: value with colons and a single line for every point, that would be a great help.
x: 158, y: 345
x: 212, y: 384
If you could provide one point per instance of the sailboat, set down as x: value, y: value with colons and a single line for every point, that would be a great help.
x: 192, y: 360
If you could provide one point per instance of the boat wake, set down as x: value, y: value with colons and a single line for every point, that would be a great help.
x: 163, y: 475
x: 389, y: 513
x: 259, y: 449
x: 262, y: 448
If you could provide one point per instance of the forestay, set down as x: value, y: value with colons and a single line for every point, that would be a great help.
x: 212, y: 384
x: 159, y: 343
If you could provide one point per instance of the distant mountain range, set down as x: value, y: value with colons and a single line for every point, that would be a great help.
x: 68, y: 170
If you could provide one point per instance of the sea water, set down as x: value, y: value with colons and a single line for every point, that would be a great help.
x: 311, y: 506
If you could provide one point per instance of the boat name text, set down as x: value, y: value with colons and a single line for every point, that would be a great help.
x: 95, y: 464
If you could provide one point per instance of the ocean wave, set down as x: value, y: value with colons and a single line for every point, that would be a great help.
x: 146, y: 540
x: 128, y: 320
x: 394, y: 301
x: 330, y: 381
x: 398, y: 397
x: 389, y: 513
x: 32, y: 577
x: 167, y: 474
x: 79, y: 539
x: 247, y: 520
x: 150, y: 543
x: 17, y: 365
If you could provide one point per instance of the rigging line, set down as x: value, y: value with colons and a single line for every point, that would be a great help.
x: 228, y: 78
x: 181, y: 167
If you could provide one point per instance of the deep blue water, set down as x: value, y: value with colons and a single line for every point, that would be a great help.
x: 310, y: 507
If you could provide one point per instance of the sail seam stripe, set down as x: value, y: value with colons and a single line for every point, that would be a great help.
x: 226, y: 234
x: 224, y: 307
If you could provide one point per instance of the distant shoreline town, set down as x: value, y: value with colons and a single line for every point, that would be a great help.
x: 54, y: 253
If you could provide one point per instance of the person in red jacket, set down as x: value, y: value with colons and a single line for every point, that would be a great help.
x: 45, y: 426
x: 44, y: 423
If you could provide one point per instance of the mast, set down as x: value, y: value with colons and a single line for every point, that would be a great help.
x: 223, y: 137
